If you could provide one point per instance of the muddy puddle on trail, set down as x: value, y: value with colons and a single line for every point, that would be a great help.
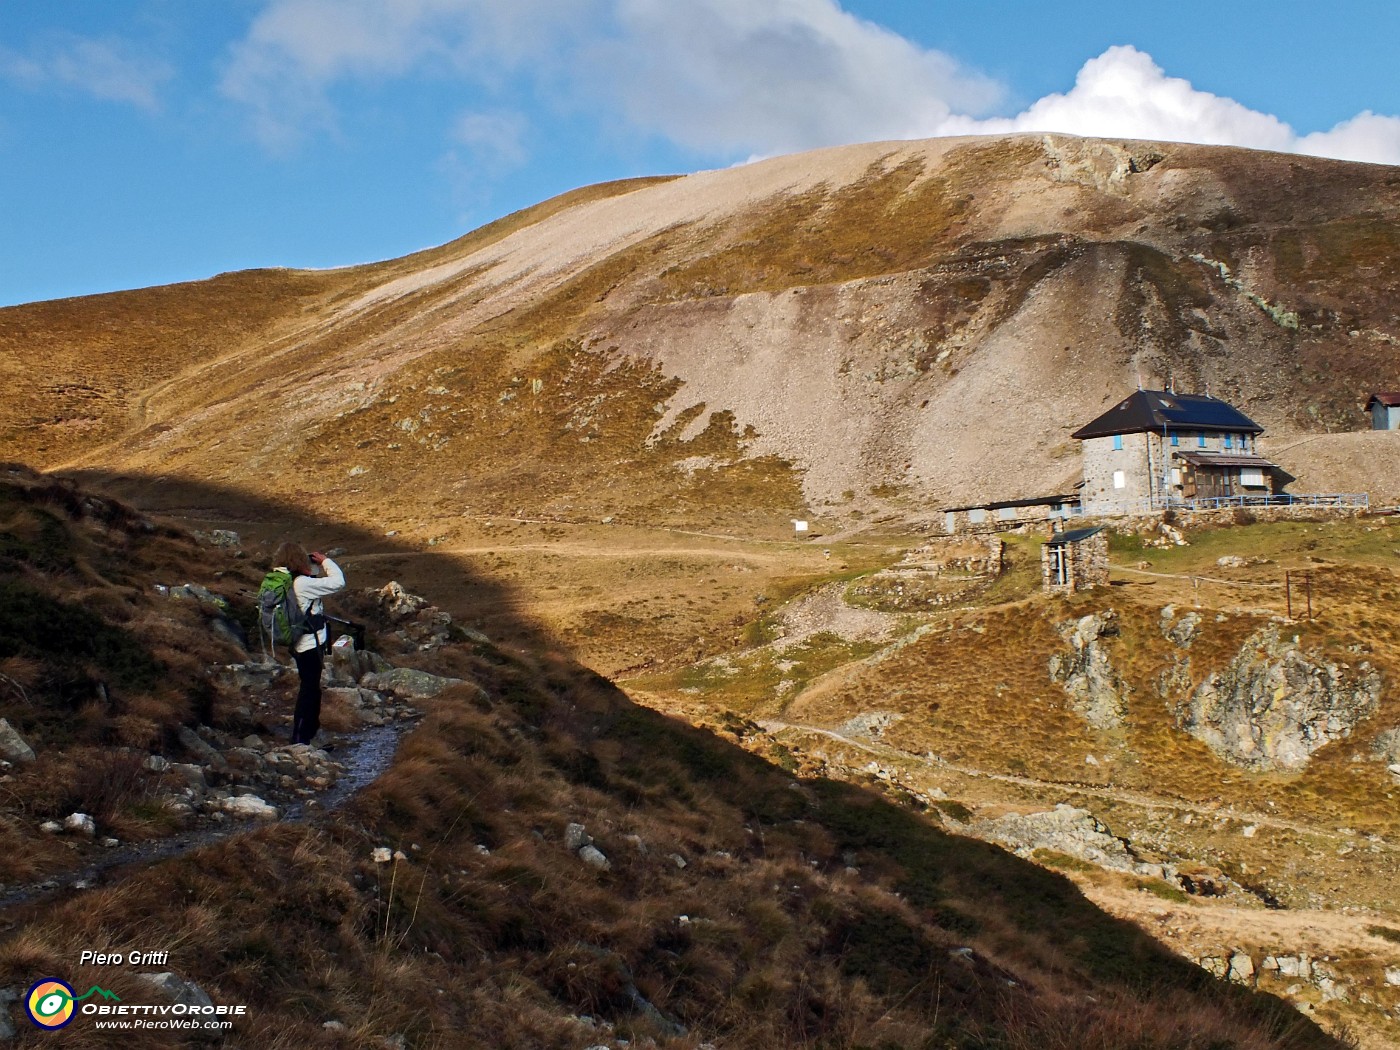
x: 365, y: 754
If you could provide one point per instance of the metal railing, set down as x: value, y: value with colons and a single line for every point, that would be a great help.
x: 1335, y: 500
x: 1307, y: 499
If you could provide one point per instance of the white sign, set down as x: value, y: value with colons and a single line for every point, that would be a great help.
x: 800, y: 526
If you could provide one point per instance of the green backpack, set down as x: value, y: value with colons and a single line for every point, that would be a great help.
x: 280, y: 618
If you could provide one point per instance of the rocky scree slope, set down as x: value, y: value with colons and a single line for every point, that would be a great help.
x: 823, y: 332
x: 544, y: 864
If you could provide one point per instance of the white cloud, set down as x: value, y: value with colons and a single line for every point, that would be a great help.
x: 297, y: 50
x: 1366, y: 136
x: 496, y: 140
x: 108, y: 68
x: 1123, y: 93
x: 723, y: 78
x: 716, y: 76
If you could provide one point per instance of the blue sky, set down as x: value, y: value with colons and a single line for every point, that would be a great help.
x: 150, y: 141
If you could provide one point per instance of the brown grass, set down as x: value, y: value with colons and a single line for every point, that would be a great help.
x: 814, y: 913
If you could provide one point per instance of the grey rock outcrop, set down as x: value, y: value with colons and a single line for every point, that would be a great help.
x: 249, y: 677
x: 1087, y: 674
x: 7, y: 1028
x: 177, y: 990
x: 200, y: 748
x: 1387, y: 746
x: 1275, y: 704
x: 1180, y: 632
x: 399, y: 603
x: 408, y: 682
x: 576, y: 836
x: 13, y: 747
x: 1065, y: 829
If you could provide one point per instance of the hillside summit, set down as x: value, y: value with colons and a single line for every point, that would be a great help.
x: 901, y: 324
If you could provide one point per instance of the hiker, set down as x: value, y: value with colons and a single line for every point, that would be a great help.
x: 308, y: 650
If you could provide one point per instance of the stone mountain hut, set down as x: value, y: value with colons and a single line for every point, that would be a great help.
x: 1158, y: 449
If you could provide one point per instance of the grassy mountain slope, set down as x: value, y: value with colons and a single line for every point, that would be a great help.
x: 798, y: 913
x: 824, y: 332
x: 957, y: 704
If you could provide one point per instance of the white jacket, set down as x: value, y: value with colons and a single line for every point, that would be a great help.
x: 309, y: 591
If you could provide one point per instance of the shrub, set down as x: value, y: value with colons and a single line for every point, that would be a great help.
x: 71, y: 642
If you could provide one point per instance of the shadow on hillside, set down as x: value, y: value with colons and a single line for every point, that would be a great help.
x: 1023, y: 918
x: 370, y: 559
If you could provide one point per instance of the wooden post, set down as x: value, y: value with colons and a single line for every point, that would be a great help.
x: 1307, y: 579
x: 1288, y: 590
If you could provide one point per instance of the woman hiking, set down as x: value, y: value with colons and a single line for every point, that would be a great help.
x: 308, y: 650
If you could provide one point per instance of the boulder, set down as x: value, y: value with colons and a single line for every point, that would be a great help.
x: 248, y: 806
x: 191, y: 774
x: 594, y: 858
x: 576, y: 837
x: 408, y: 683
x: 177, y: 990
x: 230, y: 631
x: 198, y: 593
x: 7, y: 1028
x: 245, y: 759
x: 80, y: 824
x: 250, y: 677
x: 1241, y: 968
x: 200, y: 748
x: 346, y: 664
x: 397, y: 602
x: 13, y: 747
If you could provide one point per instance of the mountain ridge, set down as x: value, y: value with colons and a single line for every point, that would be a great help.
x: 850, y: 317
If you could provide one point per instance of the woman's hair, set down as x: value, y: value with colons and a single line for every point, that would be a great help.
x: 293, y: 556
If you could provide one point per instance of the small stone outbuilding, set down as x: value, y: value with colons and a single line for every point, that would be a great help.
x: 1384, y: 408
x: 1075, y: 561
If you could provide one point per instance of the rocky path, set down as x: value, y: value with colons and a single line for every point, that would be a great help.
x: 364, y: 755
x: 228, y: 785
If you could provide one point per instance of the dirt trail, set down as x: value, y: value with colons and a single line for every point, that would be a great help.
x: 573, y: 549
x: 1132, y: 798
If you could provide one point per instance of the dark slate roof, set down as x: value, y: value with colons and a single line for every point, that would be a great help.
x: 1073, y: 536
x: 1388, y: 399
x: 1033, y: 501
x: 1158, y: 410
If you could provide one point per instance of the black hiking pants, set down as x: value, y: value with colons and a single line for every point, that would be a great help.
x: 306, y: 719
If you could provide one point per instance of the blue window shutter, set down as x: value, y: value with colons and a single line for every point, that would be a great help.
x: 1117, y: 442
x: 1176, y: 439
